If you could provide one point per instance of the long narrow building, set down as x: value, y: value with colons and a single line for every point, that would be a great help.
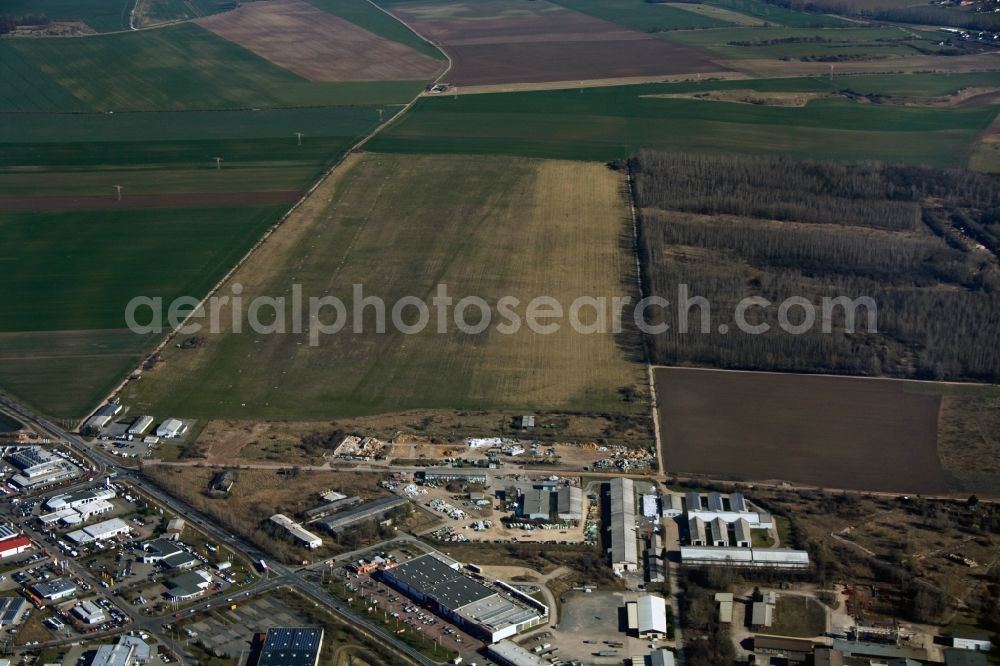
x: 624, y: 550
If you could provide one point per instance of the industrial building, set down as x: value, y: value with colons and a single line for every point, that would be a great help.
x: 14, y: 546
x: 720, y: 533
x: 569, y: 503
x: 103, y: 416
x: 698, y: 535
x: 12, y: 610
x: 129, y: 651
x: 536, y: 504
x: 647, y: 616
x: 286, y: 646
x: 79, y: 498
x: 491, y: 613
x: 171, y: 428
x: 448, y: 474
x: 89, y: 612
x: 778, y: 558
x: 741, y: 529
x: 189, y: 585
x: 509, y: 653
x: 140, y: 425
x: 38, y: 467
x: 168, y: 553
x: 55, y: 589
x: 729, y: 508
x: 104, y: 530
x: 725, y: 601
x: 792, y: 650
x: 624, y: 552
x: 373, y: 510
x: 761, y: 615
x: 971, y: 639
x: 299, y: 533
x: 661, y: 657
x: 671, y: 505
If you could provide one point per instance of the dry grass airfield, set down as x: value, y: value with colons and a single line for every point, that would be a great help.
x: 400, y: 226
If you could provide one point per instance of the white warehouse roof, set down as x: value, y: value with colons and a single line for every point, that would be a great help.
x: 652, y: 611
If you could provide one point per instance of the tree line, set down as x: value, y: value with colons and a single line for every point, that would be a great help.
x: 9, y: 23
x: 938, y: 303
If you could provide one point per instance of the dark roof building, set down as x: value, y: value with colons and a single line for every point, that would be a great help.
x: 286, y: 646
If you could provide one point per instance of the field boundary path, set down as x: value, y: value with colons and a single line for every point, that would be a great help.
x: 647, y: 356
x: 274, y: 227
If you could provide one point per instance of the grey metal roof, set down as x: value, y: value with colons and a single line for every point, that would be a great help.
x: 374, y: 509
x: 432, y: 577
x: 623, y: 533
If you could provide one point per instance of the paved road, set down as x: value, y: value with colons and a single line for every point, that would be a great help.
x: 278, y: 573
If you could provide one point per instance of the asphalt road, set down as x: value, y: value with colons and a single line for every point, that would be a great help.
x: 278, y: 574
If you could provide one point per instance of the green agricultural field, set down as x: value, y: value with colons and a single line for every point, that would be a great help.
x: 610, y: 123
x: 173, y: 68
x: 400, y: 226
x: 66, y: 373
x: 106, y: 257
x: 643, y: 16
x: 101, y: 15
x: 372, y: 19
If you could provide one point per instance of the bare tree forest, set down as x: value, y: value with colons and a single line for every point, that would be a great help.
x: 919, y: 242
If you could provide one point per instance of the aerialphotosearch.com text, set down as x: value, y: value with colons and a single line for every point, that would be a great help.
x: 319, y: 316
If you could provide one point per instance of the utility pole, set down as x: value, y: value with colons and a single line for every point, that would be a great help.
x: 218, y: 162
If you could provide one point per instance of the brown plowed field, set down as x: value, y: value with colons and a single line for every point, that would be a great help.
x: 834, y: 432
x: 317, y: 45
x: 492, y: 43
x: 166, y: 200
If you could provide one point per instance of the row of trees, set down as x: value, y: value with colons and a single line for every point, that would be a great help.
x: 938, y: 304
x: 776, y: 188
x: 925, y: 14
x: 10, y: 23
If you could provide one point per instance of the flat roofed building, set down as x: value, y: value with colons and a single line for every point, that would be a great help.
x: 114, y: 655
x: 299, y: 533
x: 508, y: 653
x: 373, y: 510
x: 14, y: 546
x: 104, y: 530
x: 55, y: 589
x: 12, y: 610
x: 971, y: 639
x: 761, y: 614
x: 456, y: 474
x: 286, y: 646
x: 89, y: 612
x: 961, y: 657
x: 826, y: 656
x: 493, y: 614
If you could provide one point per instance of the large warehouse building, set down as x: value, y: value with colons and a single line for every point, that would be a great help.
x: 491, y: 613
x: 621, y: 525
